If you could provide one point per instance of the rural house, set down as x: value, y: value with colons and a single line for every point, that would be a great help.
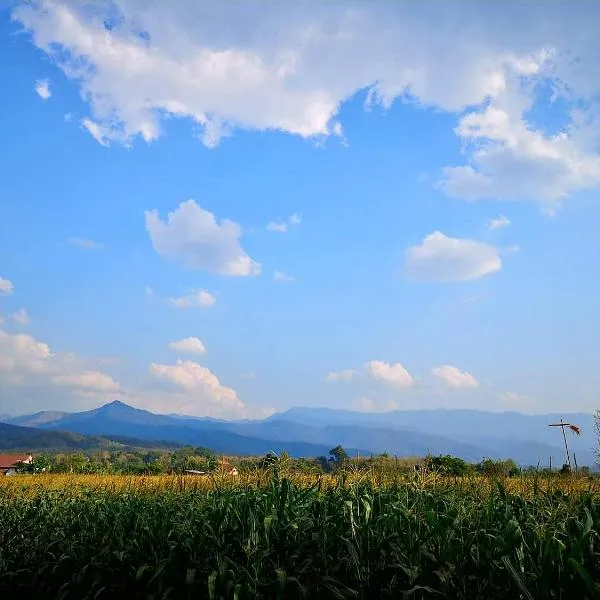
x: 10, y: 462
x: 226, y: 468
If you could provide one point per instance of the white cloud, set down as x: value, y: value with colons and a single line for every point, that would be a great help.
x: 442, y: 258
x: 395, y: 375
x: 34, y: 377
x: 248, y: 375
x: 198, y: 381
x: 513, y: 162
x: 277, y: 226
x: 282, y: 226
x: 98, y: 132
x: 515, y: 401
x: 193, y: 236
x: 366, y: 404
x: 23, y: 354
x: 198, y: 298
x: 454, y: 378
x: 190, y: 344
x: 223, y: 68
x: 20, y: 316
x: 6, y: 287
x: 30, y: 371
x: 498, y: 222
x: 85, y: 243
x: 281, y: 277
x: 347, y: 375
x: 42, y: 88
x: 88, y: 380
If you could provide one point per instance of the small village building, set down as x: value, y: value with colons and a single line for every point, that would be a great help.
x: 9, y: 463
x: 226, y: 468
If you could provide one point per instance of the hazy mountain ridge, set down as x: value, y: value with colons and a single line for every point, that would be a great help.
x: 119, y: 419
x: 15, y: 437
x: 305, y: 431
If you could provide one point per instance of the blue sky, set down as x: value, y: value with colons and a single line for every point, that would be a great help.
x: 368, y: 210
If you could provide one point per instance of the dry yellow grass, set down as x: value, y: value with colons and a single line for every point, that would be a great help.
x: 524, y: 485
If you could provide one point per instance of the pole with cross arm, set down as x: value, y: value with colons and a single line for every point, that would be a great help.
x: 574, y: 428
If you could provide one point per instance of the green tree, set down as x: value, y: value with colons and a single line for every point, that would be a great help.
x: 447, y: 465
x: 339, y: 455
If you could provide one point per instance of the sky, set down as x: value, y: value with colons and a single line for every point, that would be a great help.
x: 230, y: 209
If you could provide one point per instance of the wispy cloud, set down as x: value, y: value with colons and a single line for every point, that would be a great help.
x: 281, y: 277
x: 282, y: 226
x: 85, y: 243
x: 498, y: 222
x: 6, y: 287
x: 42, y: 88
x: 278, y: 227
x: 20, y: 316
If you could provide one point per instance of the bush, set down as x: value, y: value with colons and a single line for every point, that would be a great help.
x: 447, y: 465
x: 498, y: 468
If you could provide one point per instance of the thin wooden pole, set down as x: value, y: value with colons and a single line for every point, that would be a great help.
x: 566, y: 445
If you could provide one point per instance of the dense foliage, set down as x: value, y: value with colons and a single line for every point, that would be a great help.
x: 142, y: 461
x: 467, y: 538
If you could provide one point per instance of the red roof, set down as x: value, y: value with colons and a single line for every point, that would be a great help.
x: 10, y: 460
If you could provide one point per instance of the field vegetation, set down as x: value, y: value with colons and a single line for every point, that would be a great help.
x: 275, y: 533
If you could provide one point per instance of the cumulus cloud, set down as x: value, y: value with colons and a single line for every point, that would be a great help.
x: 295, y: 219
x: 346, y: 375
x: 498, y: 222
x: 442, y: 258
x: 30, y: 369
x: 222, y: 67
x: 453, y: 377
x: 192, y: 345
x: 193, y: 236
x: 35, y: 377
x: 196, y: 380
x: 21, y: 316
x: 42, y: 88
x: 394, y: 375
x: 6, y: 287
x: 281, y: 277
x: 85, y: 243
x: 197, y: 298
x: 513, y: 162
x: 87, y: 380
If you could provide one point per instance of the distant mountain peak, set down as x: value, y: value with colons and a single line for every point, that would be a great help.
x: 118, y: 405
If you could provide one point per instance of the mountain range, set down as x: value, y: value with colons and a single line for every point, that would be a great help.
x: 306, y: 431
x: 28, y: 439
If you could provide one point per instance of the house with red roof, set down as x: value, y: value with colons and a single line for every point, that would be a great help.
x: 10, y: 462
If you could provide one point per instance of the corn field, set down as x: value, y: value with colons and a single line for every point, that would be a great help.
x: 98, y: 537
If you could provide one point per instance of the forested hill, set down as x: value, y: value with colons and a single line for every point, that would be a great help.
x: 29, y: 439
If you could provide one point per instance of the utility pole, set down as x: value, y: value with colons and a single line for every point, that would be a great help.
x: 573, y: 428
